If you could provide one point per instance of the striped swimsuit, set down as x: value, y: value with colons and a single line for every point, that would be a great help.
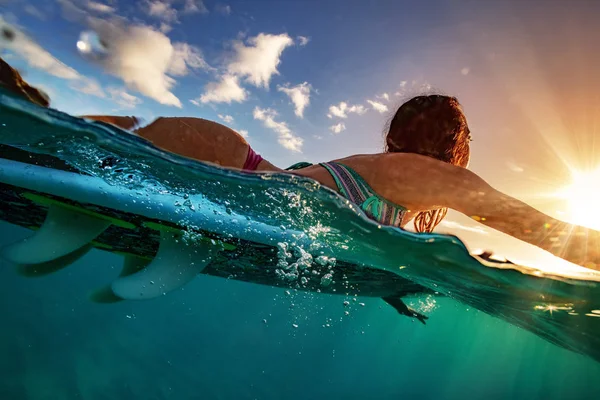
x: 355, y: 189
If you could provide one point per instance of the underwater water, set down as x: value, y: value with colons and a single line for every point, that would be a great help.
x: 223, y: 339
x: 210, y: 341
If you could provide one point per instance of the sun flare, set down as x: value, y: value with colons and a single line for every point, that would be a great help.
x: 583, y: 195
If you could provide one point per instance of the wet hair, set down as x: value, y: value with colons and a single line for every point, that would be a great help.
x: 434, y: 126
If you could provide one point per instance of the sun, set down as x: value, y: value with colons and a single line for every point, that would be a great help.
x: 583, y: 198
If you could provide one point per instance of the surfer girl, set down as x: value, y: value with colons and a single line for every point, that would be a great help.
x: 421, y: 174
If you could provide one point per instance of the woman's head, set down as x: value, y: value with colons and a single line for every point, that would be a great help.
x: 433, y: 126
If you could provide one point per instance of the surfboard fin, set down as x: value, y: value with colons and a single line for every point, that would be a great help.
x: 176, y: 263
x: 63, y: 232
x: 131, y: 265
x: 48, y: 267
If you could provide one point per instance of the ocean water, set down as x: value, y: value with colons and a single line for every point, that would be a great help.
x: 223, y: 339
x: 210, y: 341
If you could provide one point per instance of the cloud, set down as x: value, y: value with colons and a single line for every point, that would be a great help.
x: 257, y: 60
x: 164, y: 27
x: 195, y: 7
x: 99, y: 7
x: 31, y: 10
x: 226, y: 118
x: 303, y: 40
x: 71, y: 11
x: 403, y: 84
x: 286, y: 137
x: 243, y: 133
x: 144, y: 58
x: 226, y: 90
x: 37, y: 57
x: 343, y: 109
x: 223, y: 9
x: 337, y: 128
x: 122, y: 98
x: 384, y: 96
x: 161, y: 9
x: 465, y: 71
x: 186, y: 56
x: 88, y: 86
x: 299, y: 95
x: 377, y: 106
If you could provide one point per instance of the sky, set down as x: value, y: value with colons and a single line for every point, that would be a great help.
x: 319, y: 80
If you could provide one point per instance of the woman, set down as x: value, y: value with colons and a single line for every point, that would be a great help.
x: 421, y: 174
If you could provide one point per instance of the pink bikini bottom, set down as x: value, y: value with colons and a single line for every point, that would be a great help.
x: 252, y: 160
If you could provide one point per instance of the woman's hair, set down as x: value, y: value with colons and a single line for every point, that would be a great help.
x: 434, y: 126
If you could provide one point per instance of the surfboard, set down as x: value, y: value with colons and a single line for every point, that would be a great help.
x: 174, y: 219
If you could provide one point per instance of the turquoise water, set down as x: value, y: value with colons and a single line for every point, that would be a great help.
x: 223, y: 339
x: 210, y: 341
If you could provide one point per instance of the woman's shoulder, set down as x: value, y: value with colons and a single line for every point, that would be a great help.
x: 391, y: 161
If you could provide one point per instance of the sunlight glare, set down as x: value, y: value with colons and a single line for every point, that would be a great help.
x: 582, y: 196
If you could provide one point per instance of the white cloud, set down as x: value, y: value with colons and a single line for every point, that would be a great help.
x: 228, y: 89
x: 299, y: 95
x: 71, y: 11
x: 88, y: 86
x: 343, y: 109
x: 286, y: 137
x: 403, y: 84
x: 37, y: 57
x: 337, y: 128
x: 31, y: 10
x: 465, y: 71
x: 184, y: 56
x: 244, y: 133
x: 194, y: 7
x: 122, y: 98
x: 258, y: 60
x: 223, y: 9
x: 384, y: 96
x: 164, y: 27
x: 377, y: 106
x: 226, y: 118
x: 143, y: 58
x: 99, y: 7
x: 161, y: 9
x: 303, y: 40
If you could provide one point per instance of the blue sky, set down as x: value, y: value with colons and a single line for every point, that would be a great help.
x: 324, y: 52
x: 318, y: 80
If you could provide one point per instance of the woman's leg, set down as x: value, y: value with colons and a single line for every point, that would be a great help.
x: 202, y: 140
x: 190, y: 137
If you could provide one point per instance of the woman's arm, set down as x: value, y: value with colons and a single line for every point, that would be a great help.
x: 464, y: 191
